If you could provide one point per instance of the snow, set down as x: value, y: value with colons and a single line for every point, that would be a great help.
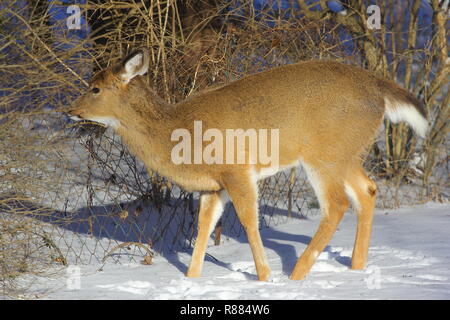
x: 409, y: 258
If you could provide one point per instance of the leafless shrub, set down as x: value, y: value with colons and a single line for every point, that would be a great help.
x: 28, y: 172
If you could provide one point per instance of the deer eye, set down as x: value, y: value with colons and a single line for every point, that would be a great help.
x: 95, y: 90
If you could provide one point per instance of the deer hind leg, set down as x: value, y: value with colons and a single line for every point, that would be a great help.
x: 333, y: 203
x: 243, y: 191
x: 361, y: 191
x: 211, y: 208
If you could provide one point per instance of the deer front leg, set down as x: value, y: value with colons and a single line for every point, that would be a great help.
x: 211, y: 208
x: 243, y: 191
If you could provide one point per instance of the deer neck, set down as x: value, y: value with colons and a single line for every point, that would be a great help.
x: 145, y: 127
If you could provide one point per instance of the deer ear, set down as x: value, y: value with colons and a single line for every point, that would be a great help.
x: 135, y: 64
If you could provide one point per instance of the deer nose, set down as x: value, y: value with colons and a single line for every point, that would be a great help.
x: 75, y: 114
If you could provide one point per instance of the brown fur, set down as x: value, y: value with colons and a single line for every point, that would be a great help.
x: 327, y: 113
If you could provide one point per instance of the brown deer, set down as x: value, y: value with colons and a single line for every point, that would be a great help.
x: 326, y: 114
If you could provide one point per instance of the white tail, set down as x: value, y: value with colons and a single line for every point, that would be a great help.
x: 401, y: 105
x: 401, y: 111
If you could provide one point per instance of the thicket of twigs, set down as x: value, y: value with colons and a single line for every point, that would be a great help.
x: 193, y: 45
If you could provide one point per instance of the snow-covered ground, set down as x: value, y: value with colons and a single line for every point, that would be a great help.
x: 409, y: 258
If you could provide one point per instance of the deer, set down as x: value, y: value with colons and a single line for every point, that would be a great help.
x: 327, y: 114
